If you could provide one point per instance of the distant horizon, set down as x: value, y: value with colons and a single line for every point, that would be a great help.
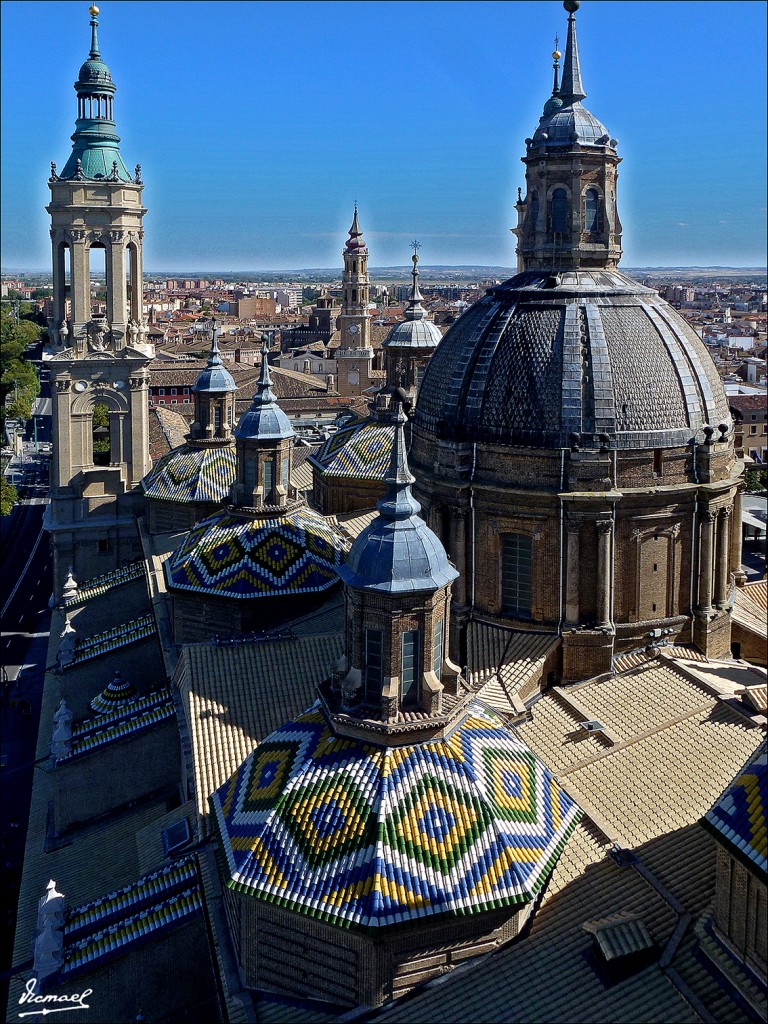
x: 399, y: 268
x: 254, y: 147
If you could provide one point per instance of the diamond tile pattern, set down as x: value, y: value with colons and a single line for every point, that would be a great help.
x: 739, y: 816
x: 234, y: 556
x: 368, y: 836
x: 360, y: 451
x: 189, y: 474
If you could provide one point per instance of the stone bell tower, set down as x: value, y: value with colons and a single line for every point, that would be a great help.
x: 99, y: 359
x: 354, y: 356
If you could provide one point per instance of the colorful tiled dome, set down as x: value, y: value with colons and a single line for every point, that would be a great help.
x: 368, y: 836
x: 239, y: 556
x: 191, y: 474
x: 360, y: 451
x: 739, y: 817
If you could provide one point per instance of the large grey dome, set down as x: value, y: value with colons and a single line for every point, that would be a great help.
x: 543, y: 357
x: 570, y: 125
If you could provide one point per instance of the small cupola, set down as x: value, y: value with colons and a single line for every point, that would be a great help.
x: 265, y: 440
x: 214, y: 392
x: 398, y: 590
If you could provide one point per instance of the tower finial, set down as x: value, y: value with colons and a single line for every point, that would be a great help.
x: 571, y: 88
x: 415, y: 310
x: 556, y: 55
x: 93, y: 10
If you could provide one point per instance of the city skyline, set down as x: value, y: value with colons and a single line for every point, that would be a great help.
x: 424, y: 132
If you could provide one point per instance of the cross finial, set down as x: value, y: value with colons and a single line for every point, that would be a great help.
x: 415, y: 245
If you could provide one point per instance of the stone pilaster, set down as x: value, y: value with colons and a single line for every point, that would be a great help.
x: 736, y: 540
x: 604, y: 544
x: 721, y: 569
x: 706, y: 527
x: 572, y: 572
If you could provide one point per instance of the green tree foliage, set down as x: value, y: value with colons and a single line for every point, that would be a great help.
x: 756, y: 480
x: 19, y: 384
x: 308, y: 295
x: 100, y: 420
x: 8, y: 496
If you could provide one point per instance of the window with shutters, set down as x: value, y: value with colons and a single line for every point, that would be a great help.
x: 374, y: 665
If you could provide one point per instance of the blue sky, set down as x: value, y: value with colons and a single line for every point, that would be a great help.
x: 258, y: 124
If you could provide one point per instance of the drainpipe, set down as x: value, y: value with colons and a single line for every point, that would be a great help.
x: 562, y: 527
x: 693, y: 553
x: 472, y: 515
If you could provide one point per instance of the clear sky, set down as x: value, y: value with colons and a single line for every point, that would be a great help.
x: 258, y: 124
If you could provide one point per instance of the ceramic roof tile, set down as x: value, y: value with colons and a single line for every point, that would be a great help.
x: 739, y: 816
x: 107, y: 927
x: 239, y: 556
x: 112, y: 639
x: 368, y: 836
x: 360, y: 451
x: 129, y: 719
x: 749, y: 608
x: 108, y: 581
x: 218, y: 684
x: 190, y: 474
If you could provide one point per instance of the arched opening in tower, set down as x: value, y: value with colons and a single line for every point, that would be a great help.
x: 97, y: 271
x: 133, y: 290
x: 100, y: 428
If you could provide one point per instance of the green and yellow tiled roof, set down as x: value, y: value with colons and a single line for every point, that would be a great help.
x: 365, y: 836
x: 360, y: 451
x: 739, y: 816
x: 108, y: 581
x: 109, y: 926
x: 190, y: 474
x: 113, y: 638
x: 129, y: 719
x: 243, y: 557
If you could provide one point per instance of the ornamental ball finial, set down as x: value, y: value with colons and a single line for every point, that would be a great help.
x: 93, y: 10
x: 556, y: 55
x: 571, y: 6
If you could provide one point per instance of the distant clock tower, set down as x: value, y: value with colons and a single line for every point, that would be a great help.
x: 355, y: 354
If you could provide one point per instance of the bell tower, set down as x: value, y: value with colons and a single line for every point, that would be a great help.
x: 99, y: 374
x: 569, y: 218
x: 355, y: 355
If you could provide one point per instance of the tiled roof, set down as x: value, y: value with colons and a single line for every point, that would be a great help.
x: 368, y: 836
x: 352, y: 524
x: 739, y: 816
x: 624, y: 662
x: 98, y: 931
x: 167, y: 429
x: 129, y: 719
x: 241, y: 557
x: 218, y: 684
x: 108, y: 581
x: 360, y: 451
x: 191, y: 474
x: 749, y: 607
x: 111, y: 639
x: 504, y: 660
x: 118, y: 693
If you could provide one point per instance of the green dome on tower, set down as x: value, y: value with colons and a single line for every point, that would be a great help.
x: 95, y: 152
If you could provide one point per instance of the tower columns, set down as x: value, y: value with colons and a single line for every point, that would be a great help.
x: 117, y: 299
x: 721, y: 573
x: 706, y: 526
x: 736, y: 540
x: 80, y: 282
x: 604, y: 539
x: 572, y: 572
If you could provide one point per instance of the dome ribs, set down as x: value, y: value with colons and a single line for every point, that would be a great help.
x: 603, y: 406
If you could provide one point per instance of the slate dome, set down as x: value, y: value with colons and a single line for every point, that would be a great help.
x: 545, y: 356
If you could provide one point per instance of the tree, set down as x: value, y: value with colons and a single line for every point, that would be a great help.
x: 756, y: 480
x: 8, y: 496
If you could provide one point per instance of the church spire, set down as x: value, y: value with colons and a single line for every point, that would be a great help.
x: 415, y: 310
x: 571, y: 89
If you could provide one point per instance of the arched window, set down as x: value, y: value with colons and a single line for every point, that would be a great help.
x: 101, y: 435
x: 592, y: 210
x: 516, y: 575
x: 534, y: 210
x: 559, y: 211
x: 354, y: 295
